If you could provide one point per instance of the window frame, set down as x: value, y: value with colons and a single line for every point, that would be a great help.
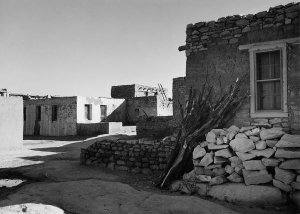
x: 89, y: 112
x: 39, y: 113
x: 52, y: 113
x: 254, y: 113
x: 103, y: 116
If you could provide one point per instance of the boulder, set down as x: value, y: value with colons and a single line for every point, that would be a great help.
x: 213, y: 146
x: 295, y: 185
x: 253, y: 165
x: 256, y: 177
x: 217, y: 180
x: 241, y: 135
x: 290, y: 164
x: 271, y: 143
x: 270, y: 162
x: 198, y: 152
x: 220, y: 160
x: 288, y: 140
x: 242, y: 145
x: 245, y: 156
x: 225, y: 153
x: 211, y: 137
x: 285, y: 176
x: 235, y: 178
x: 273, y: 133
x: 287, y: 153
x: 256, y: 195
x: 260, y: 145
x: 229, y: 169
x: 267, y: 153
x: 234, y: 161
x: 207, y: 159
x: 282, y: 186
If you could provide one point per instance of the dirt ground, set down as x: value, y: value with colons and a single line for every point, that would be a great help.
x: 53, y: 175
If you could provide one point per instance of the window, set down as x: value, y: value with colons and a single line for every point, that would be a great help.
x: 54, y: 112
x: 24, y: 113
x: 103, y: 109
x: 38, y: 113
x: 137, y: 112
x: 268, y: 80
x: 88, y: 111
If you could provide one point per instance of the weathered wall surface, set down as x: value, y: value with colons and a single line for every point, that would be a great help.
x: 66, y: 117
x: 156, y: 127
x: 128, y: 155
x: 115, y: 109
x: 179, y: 97
x: 212, y: 52
x: 99, y: 128
x: 11, y: 122
x: 134, y: 90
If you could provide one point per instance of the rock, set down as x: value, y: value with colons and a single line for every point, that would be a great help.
x: 271, y: 143
x: 196, y: 162
x: 207, y: 159
x: 213, y: 146
x: 287, y: 153
x: 203, y: 178
x: 256, y: 177
x: 290, y: 164
x: 253, y: 132
x: 286, y: 176
x: 295, y: 197
x: 270, y: 162
x: 238, y: 169
x: 241, y: 135
x: 267, y: 153
x: 233, y: 128
x: 198, y: 152
x: 220, y: 160
x: 257, y: 195
x: 242, y: 145
x: 220, y: 141
x: 217, y: 180
x: 229, y: 169
x: 254, y: 138
x: 198, y: 170
x: 269, y: 134
x: 190, y: 176
x: 231, y: 135
x: 288, y: 140
x: 260, y: 145
x: 235, y: 178
x: 214, y: 166
x: 211, y: 137
x: 245, y: 156
x: 295, y: 185
x: 225, y: 139
x: 204, y: 144
x: 218, y: 171
x: 208, y: 172
x: 253, y: 165
x: 175, y: 186
x: 243, y: 129
x: 225, y: 153
x: 282, y: 186
x: 235, y: 161
x: 201, y: 189
x: 219, y: 132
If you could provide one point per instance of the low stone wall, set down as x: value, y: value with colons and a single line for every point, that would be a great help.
x: 156, y: 127
x: 252, y: 155
x: 138, y: 156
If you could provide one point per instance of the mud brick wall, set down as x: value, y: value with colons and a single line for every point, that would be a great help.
x: 212, y: 51
x: 156, y: 127
x: 138, y: 156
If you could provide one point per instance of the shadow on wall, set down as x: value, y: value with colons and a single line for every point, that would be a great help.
x: 118, y: 115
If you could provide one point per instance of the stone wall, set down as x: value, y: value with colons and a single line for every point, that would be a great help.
x: 156, y: 127
x: 212, y: 50
x: 138, y: 156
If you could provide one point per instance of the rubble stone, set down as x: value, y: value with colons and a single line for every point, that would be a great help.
x: 218, y: 171
x: 220, y: 160
x: 203, y: 178
x: 245, y: 156
x: 270, y: 162
x: 260, y: 145
x: 256, y: 177
x: 217, y: 180
x: 204, y: 144
x: 242, y: 145
x: 295, y: 185
x: 241, y: 135
x: 290, y: 164
x: 235, y: 160
x: 198, y: 152
x: 287, y: 153
x: 269, y: 134
x: 282, y: 186
x: 254, y: 138
x: 213, y: 146
x: 288, y: 140
x: 285, y: 176
x: 243, y: 129
x: 229, y: 169
x: 271, y: 143
x: 211, y: 137
x: 225, y: 153
x: 238, y: 169
x: 235, y: 178
x: 253, y: 165
x: 267, y: 153
x: 220, y: 141
x: 207, y: 159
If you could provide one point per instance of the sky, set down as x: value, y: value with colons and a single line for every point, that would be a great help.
x: 83, y: 47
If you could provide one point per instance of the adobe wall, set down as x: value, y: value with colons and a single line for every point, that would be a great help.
x: 11, y: 122
x: 66, y: 118
x: 212, y: 51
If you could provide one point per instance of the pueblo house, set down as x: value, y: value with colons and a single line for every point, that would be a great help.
x: 264, y: 47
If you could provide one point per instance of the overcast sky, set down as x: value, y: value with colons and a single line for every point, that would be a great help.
x: 83, y: 47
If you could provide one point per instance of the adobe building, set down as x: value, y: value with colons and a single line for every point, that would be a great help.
x: 63, y: 116
x: 11, y: 121
x: 143, y: 101
x: 265, y: 47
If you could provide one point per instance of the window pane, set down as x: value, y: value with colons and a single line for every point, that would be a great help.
x: 268, y: 65
x: 269, y: 95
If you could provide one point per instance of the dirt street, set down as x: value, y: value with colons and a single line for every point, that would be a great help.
x: 53, y: 176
